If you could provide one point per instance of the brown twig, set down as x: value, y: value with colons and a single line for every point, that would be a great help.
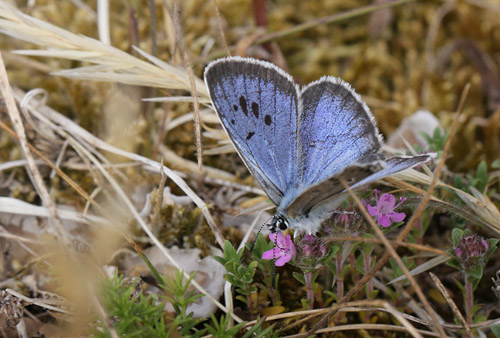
x: 451, y: 303
x: 394, y: 243
x: 219, y: 22
x: 175, y: 13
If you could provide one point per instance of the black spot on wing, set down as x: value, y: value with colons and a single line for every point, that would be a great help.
x: 255, y: 109
x: 243, y: 105
x: 232, y: 121
x: 235, y: 107
x: 268, y: 120
x: 250, y: 134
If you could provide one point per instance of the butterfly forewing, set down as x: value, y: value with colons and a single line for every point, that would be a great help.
x: 336, y: 129
x: 257, y: 105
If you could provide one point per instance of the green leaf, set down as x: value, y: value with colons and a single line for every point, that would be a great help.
x: 458, y: 182
x: 299, y: 277
x: 230, y: 251
x: 219, y: 259
x: 482, y: 176
x: 261, y: 245
x: 257, y: 332
x: 476, y: 272
x: 253, y: 265
x: 496, y: 330
x: 233, y: 280
x: 241, y: 298
x: 482, y: 170
x: 456, y: 235
x: 360, y: 264
x: 232, y: 267
x: 454, y: 263
x: 496, y: 164
x: 220, y: 328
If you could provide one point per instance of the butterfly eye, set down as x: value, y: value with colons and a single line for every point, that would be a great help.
x: 282, y: 224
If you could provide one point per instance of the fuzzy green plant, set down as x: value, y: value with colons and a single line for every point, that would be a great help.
x: 436, y: 141
x: 131, y: 313
x: 178, y: 294
x: 220, y: 329
x: 239, y: 275
x: 479, y: 180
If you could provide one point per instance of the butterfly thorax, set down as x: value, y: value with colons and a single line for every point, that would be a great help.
x: 302, y: 224
x: 304, y: 221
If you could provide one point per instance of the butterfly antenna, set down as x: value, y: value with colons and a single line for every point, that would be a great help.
x: 257, y: 236
x: 275, y: 244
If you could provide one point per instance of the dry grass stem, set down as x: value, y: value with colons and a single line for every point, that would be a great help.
x: 37, y: 302
x: 111, y: 64
x: 451, y: 303
x: 37, y: 180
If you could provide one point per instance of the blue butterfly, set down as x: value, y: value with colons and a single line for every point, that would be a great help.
x: 299, y: 142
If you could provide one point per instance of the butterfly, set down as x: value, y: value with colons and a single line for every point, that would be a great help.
x: 299, y: 142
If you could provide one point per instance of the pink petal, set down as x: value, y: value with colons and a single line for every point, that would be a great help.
x: 283, y: 260
x: 386, y: 202
x: 289, y: 245
x: 397, y: 216
x: 373, y: 211
x: 269, y: 254
x: 282, y: 241
x: 384, y: 220
x: 272, y: 236
x: 485, y: 243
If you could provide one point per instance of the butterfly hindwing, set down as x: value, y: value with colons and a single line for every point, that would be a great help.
x: 331, y: 187
x: 368, y: 170
x: 336, y: 129
x: 257, y: 105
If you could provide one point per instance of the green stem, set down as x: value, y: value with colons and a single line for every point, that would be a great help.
x: 309, y: 288
x: 367, y: 260
x: 340, y: 278
x: 248, y: 293
x: 469, y: 299
x: 352, y: 262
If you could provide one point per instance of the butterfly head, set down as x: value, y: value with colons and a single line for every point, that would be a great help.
x: 278, y: 223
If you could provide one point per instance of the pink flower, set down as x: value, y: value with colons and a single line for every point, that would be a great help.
x: 470, y: 247
x: 312, y: 246
x: 384, y: 211
x: 284, y: 250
